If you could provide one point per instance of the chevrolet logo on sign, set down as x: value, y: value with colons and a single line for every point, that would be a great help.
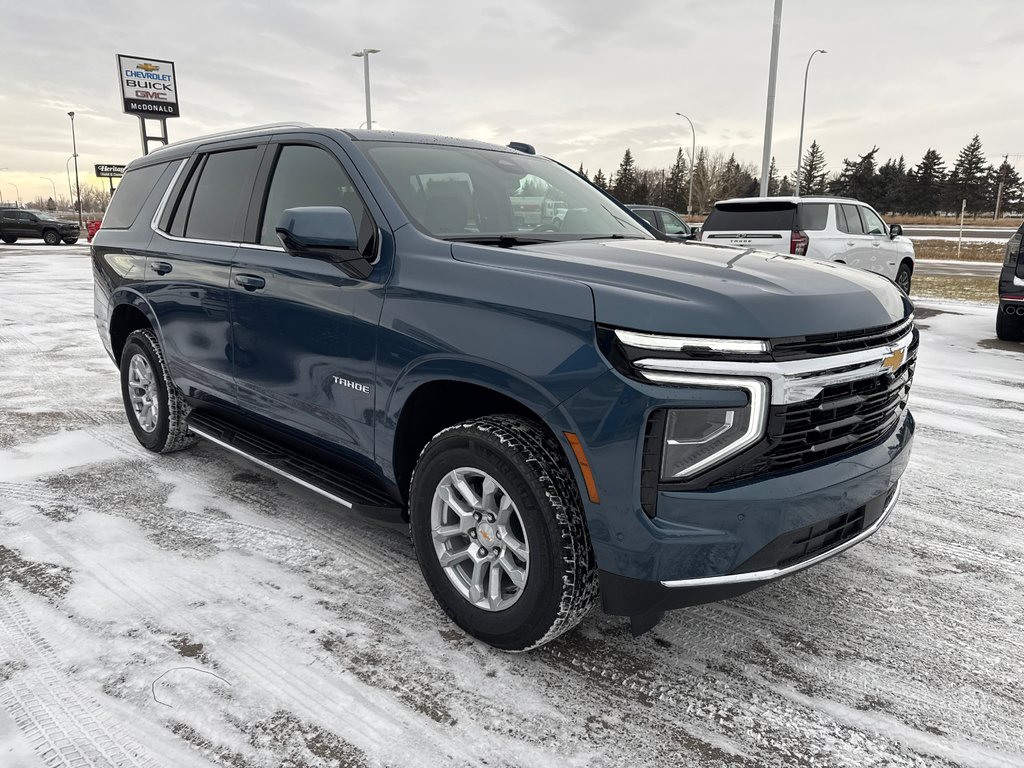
x: 893, y: 362
x: 148, y: 67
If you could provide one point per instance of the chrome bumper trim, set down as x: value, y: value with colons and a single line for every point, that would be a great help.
x: 776, y: 573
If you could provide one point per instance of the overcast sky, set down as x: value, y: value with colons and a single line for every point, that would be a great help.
x: 580, y: 79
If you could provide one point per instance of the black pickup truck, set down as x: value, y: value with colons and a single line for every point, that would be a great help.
x: 19, y: 223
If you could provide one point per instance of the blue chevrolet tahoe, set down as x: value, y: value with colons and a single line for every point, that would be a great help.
x: 561, y: 412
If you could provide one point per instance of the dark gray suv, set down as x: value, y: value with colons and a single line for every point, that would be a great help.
x: 18, y: 223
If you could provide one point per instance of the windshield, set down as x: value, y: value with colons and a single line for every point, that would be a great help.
x: 461, y: 193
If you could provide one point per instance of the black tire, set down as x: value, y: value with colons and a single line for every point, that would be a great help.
x: 170, y: 431
x: 51, y: 237
x: 904, y: 276
x: 9, y: 239
x: 561, y: 584
x: 70, y: 240
x: 1009, y: 327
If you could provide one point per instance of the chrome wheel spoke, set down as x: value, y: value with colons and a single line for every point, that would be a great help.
x: 494, y: 586
x: 450, y: 558
x: 467, y: 493
x: 516, y: 574
x: 445, y: 532
x: 505, y: 510
x: 456, y: 505
x: 517, y: 547
x: 143, y: 393
x: 476, y: 585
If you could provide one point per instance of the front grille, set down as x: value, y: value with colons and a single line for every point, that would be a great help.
x: 800, y: 347
x: 841, y: 419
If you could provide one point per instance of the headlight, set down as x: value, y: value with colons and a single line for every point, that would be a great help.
x: 699, y: 438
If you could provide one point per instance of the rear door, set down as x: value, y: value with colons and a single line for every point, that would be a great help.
x: 305, y: 332
x: 188, y: 265
x: 859, y: 245
x: 884, y: 255
x: 766, y: 225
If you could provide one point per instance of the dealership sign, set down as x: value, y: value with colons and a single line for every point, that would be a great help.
x: 148, y: 88
x: 107, y: 171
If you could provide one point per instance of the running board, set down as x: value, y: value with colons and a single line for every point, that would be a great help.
x: 321, y: 478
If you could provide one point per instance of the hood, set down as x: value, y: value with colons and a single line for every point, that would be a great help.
x: 703, y: 290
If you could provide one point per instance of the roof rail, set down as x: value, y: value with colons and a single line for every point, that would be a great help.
x: 235, y: 132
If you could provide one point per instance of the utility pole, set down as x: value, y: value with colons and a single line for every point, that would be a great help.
x: 1002, y: 180
x: 769, y: 118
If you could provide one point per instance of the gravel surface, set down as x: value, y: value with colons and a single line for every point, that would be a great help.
x: 195, y: 610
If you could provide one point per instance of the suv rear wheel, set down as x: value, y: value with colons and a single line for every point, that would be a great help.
x: 1009, y: 327
x: 903, y: 277
x: 51, y: 237
x: 500, y: 534
x: 156, y: 410
x: 9, y: 239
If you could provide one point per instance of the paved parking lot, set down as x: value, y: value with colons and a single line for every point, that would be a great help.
x: 194, y: 610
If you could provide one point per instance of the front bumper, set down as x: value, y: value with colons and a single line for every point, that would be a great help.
x: 711, y: 545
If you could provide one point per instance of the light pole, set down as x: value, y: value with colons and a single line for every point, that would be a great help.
x: 693, y: 149
x: 365, y: 56
x: 78, y: 187
x: 769, y: 118
x: 71, y: 193
x: 1, y: 193
x: 52, y: 185
x: 17, y: 192
x: 803, y: 111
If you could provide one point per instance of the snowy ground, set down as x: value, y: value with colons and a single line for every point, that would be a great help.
x: 194, y: 610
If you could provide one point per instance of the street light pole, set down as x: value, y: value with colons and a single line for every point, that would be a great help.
x: 365, y: 56
x: 1, y: 193
x: 803, y: 111
x: 52, y: 185
x: 693, y: 149
x: 71, y: 192
x: 769, y: 118
x: 17, y: 192
x: 74, y: 148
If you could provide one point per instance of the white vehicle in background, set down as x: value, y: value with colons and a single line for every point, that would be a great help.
x: 827, y: 228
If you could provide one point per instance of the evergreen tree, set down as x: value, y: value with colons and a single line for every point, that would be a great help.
x: 785, y: 187
x: 677, y: 186
x: 1010, y: 200
x: 970, y: 179
x: 625, y: 179
x: 702, y: 183
x: 927, y: 185
x: 51, y: 204
x: 582, y: 172
x: 858, y: 179
x: 813, y: 175
x: 773, y: 180
x: 892, y: 186
x: 600, y: 181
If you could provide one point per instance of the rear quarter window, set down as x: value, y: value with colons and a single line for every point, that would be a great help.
x: 813, y: 216
x: 755, y: 217
x: 132, y: 193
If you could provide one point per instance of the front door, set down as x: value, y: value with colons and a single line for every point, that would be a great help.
x: 304, y: 332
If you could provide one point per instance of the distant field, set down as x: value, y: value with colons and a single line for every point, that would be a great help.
x: 953, y: 221
x: 946, y: 249
x: 983, y: 289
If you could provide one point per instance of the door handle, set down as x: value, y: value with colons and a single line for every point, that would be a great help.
x: 160, y: 267
x: 877, y: 245
x: 850, y: 243
x: 250, y: 282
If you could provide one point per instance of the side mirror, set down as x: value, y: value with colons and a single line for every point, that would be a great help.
x: 895, y: 230
x: 323, y: 232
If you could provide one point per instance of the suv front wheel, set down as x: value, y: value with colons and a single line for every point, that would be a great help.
x: 51, y: 237
x: 156, y: 410
x: 500, y: 534
x: 903, y: 277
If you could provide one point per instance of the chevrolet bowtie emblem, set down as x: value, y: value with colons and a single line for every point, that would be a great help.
x: 893, y: 361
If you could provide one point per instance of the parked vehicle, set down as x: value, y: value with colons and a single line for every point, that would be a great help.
x: 666, y: 221
x: 554, y: 415
x: 18, y: 223
x: 1010, y: 316
x: 826, y: 228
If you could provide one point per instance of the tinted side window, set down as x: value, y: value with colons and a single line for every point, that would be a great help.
x: 872, y: 223
x: 222, y: 194
x: 672, y: 225
x: 304, y: 176
x: 131, y: 195
x: 648, y: 216
x: 854, y: 226
x: 813, y: 216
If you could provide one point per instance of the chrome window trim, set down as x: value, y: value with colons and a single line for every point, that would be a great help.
x: 792, y: 381
x: 756, y: 389
x: 776, y: 573
x: 155, y: 226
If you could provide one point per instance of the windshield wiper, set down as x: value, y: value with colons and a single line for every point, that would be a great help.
x: 614, y: 237
x: 502, y: 241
